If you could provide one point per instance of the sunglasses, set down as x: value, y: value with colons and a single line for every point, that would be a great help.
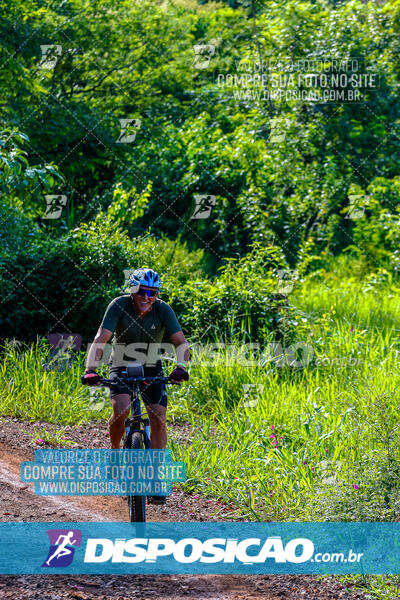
x: 149, y: 293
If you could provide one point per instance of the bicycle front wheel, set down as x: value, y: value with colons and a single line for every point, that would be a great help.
x: 136, y: 504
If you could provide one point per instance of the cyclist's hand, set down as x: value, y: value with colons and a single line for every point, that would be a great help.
x: 178, y: 375
x: 91, y: 378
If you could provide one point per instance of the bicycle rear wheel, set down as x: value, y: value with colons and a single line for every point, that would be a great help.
x: 136, y: 504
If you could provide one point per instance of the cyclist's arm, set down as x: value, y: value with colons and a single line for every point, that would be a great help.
x: 96, y: 349
x: 181, y: 348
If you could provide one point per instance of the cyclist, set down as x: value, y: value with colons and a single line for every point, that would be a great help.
x: 138, y: 318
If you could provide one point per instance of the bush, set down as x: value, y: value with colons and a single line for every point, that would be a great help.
x: 65, y: 284
x: 242, y: 302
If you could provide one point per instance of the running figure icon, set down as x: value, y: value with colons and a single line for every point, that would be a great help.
x: 62, y: 549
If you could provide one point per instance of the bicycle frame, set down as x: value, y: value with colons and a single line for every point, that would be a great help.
x: 135, y: 422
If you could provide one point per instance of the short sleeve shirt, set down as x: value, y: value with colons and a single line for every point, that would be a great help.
x: 143, y: 336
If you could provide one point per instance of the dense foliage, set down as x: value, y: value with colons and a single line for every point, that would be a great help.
x: 116, y: 120
x: 282, y: 172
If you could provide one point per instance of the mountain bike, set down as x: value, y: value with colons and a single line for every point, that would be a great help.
x: 137, y: 428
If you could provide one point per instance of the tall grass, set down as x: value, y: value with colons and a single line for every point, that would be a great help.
x: 30, y: 389
x: 309, y: 430
x: 369, y: 303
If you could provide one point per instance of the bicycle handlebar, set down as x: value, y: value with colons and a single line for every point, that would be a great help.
x: 117, y: 380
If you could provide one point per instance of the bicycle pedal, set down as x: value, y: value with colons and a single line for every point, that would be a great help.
x: 160, y: 500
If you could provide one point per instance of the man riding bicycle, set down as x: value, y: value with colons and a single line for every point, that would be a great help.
x: 139, y: 319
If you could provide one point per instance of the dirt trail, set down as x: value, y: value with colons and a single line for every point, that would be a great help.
x: 18, y: 502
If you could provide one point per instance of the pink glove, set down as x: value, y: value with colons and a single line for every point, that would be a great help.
x: 91, y: 378
x: 179, y: 374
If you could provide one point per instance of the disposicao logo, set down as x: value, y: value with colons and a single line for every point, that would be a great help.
x: 190, y: 550
x: 62, y: 546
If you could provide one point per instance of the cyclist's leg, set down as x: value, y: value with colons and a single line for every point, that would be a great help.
x: 120, y: 400
x: 155, y: 398
x: 121, y: 407
x: 158, y: 425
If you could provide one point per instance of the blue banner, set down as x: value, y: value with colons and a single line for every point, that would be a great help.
x: 103, y: 472
x: 200, y: 548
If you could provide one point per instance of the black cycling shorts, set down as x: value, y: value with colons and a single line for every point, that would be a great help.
x: 152, y: 393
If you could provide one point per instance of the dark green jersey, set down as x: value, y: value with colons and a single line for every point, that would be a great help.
x: 129, y: 329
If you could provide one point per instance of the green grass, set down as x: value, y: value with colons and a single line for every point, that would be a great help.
x: 379, y: 587
x: 327, y: 423
x: 30, y: 390
x: 371, y: 302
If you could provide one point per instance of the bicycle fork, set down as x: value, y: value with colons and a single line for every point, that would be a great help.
x: 141, y: 426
